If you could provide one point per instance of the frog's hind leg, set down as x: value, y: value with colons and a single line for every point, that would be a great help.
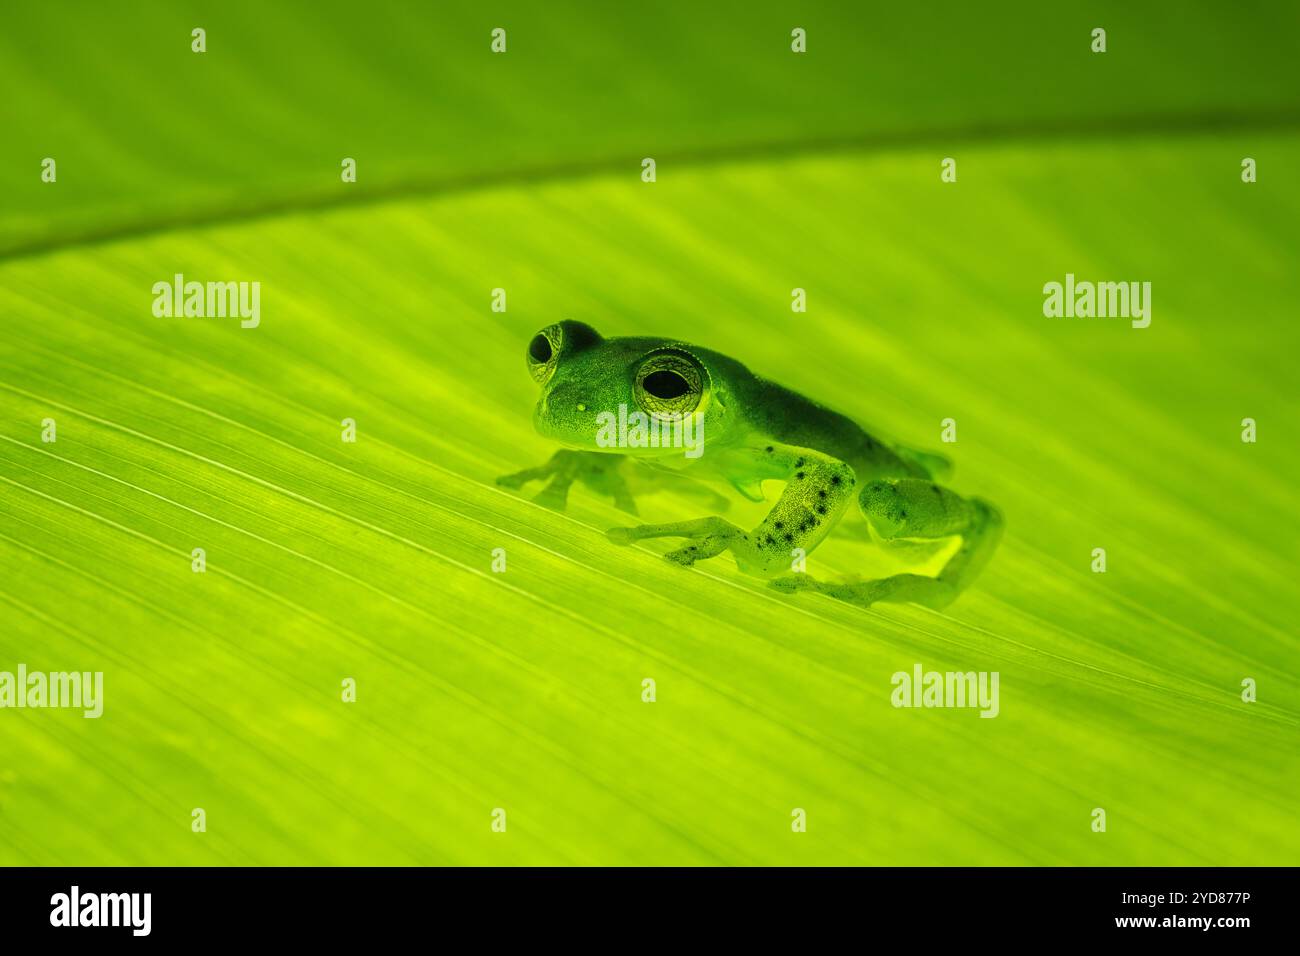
x: 916, y: 508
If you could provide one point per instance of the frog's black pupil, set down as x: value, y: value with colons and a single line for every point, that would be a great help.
x: 539, y: 349
x: 666, y: 385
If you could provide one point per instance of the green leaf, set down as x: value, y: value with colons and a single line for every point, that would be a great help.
x: 522, y: 690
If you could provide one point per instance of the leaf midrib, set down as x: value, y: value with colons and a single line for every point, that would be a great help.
x: 1184, y: 124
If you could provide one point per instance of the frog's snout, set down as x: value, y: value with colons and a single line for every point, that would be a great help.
x: 564, y: 411
x: 564, y: 400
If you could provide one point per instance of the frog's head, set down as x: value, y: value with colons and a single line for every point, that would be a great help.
x: 585, y: 378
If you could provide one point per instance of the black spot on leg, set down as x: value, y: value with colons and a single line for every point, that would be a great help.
x: 769, y: 449
x: 821, y: 492
x: 835, y: 479
x: 799, y: 475
x: 799, y: 463
x: 821, y: 509
x: 780, y: 525
x: 935, y: 489
x: 789, y: 537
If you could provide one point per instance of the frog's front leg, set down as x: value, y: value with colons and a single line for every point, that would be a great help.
x: 818, y: 488
x: 599, y: 471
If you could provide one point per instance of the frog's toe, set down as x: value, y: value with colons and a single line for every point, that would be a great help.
x: 704, y: 546
x: 621, y: 536
x: 686, y: 557
x: 791, y: 583
x: 515, y: 480
x: 554, y: 496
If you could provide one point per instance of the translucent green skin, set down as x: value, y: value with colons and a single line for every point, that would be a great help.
x: 753, y: 430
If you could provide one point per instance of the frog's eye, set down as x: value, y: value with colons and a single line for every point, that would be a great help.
x: 542, y: 353
x: 669, y: 384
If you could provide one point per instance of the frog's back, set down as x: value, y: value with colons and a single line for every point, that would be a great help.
x: 786, y: 416
x: 793, y: 418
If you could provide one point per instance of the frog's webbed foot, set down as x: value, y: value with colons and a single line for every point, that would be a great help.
x: 598, y: 471
x: 917, y: 588
x: 709, y: 537
x: 794, y: 582
x: 861, y: 593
